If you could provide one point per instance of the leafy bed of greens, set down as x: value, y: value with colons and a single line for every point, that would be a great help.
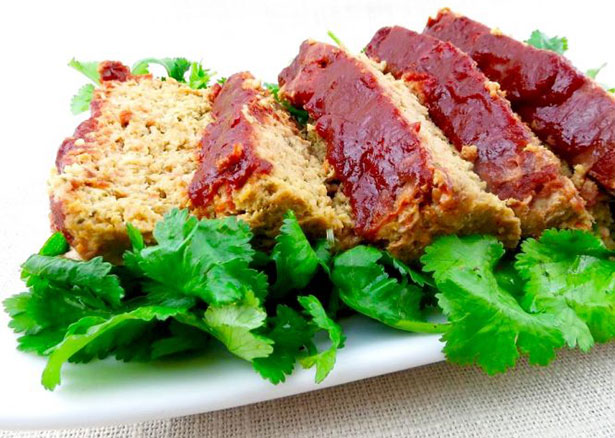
x: 203, y: 282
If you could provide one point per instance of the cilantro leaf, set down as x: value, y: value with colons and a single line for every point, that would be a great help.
x: 571, y: 271
x: 295, y: 259
x: 55, y: 245
x: 233, y: 325
x: 199, y: 76
x: 208, y: 259
x: 81, y: 101
x: 335, y: 38
x: 593, y: 72
x: 364, y: 285
x: 290, y: 333
x: 89, y: 69
x: 95, y: 276
x: 300, y: 115
x: 176, y: 67
x: 488, y: 326
x: 87, y: 330
x: 323, y: 360
x: 541, y: 41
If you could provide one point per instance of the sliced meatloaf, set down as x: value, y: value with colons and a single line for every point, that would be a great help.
x: 480, y: 123
x: 402, y: 180
x: 565, y: 108
x: 135, y: 158
x: 254, y: 163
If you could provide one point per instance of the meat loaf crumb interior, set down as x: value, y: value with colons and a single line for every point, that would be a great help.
x: 480, y: 123
x: 405, y: 183
x: 131, y: 161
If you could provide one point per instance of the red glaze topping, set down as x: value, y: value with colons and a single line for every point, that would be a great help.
x: 565, y: 108
x: 375, y: 151
x: 228, y: 156
x: 454, y: 90
x: 113, y: 71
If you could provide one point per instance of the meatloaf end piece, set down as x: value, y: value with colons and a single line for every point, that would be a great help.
x: 131, y: 161
x: 565, y: 108
x: 403, y: 182
x: 480, y: 123
x: 255, y: 164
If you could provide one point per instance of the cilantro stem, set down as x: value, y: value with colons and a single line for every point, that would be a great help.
x: 420, y: 326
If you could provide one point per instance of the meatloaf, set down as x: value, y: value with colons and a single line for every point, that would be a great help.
x: 480, y: 123
x: 404, y: 183
x: 564, y: 107
x: 135, y: 158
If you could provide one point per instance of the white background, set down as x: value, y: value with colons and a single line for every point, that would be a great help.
x: 37, y: 39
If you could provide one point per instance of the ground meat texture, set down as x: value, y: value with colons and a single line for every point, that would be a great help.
x: 565, y: 108
x: 475, y: 116
x: 402, y: 180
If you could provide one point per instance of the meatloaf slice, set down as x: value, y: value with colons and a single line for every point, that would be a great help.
x: 403, y: 181
x: 480, y: 123
x: 135, y: 157
x: 255, y: 164
x: 565, y: 108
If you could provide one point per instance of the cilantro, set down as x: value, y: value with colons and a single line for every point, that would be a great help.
x: 295, y: 259
x: 89, y: 69
x: 55, y: 245
x: 364, y: 285
x: 176, y: 67
x: 571, y: 272
x: 87, y: 330
x: 81, y: 101
x: 208, y: 259
x: 233, y: 324
x: 335, y: 38
x: 291, y: 334
x: 199, y: 76
x: 300, y: 115
x: 323, y: 360
x: 221, y: 81
x: 542, y: 41
x: 488, y: 326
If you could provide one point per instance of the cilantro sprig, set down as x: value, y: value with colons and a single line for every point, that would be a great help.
x: 176, y: 68
x: 540, y: 40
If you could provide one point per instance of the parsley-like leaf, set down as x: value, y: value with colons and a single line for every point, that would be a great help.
x: 295, y: 259
x: 233, y: 325
x: 176, y: 67
x: 488, y: 326
x: 89, y: 69
x: 81, y: 101
x: 87, y: 330
x: 323, y: 360
x: 208, y: 259
x: 364, y: 285
x: 300, y: 115
x: 199, y: 76
x: 571, y: 271
x: 291, y: 334
x: 541, y: 41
